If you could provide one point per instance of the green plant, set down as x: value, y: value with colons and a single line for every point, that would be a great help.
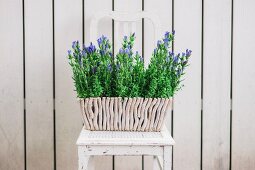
x: 129, y: 72
x: 96, y: 73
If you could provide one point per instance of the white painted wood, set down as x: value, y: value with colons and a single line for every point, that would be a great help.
x: 243, y: 138
x: 126, y: 22
x: 124, y: 138
x: 167, y: 158
x: 91, y: 165
x: 91, y: 143
x: 91, y: 7
x: 187, y: 102
x: 83, y: 160
x: 157, y: 163
x: 216, y: 84
x: 122, y: 150
x: 68, y: 28
x: 11, y: 86
x: 39, y: 84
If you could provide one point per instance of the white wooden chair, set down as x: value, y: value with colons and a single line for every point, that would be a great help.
x: 93, y: 143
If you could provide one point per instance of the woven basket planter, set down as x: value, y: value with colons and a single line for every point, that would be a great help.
x: 124, y: 114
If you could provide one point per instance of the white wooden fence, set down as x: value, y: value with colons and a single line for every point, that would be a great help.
x: 212, y: 120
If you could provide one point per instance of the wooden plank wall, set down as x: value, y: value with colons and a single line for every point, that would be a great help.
x: 67, y: 28
x: 12, y: 150
x: 216, y: 84
x: 187, y: 102
x: 39, y: 84
x: 212, y: 117
x: 243, y: 86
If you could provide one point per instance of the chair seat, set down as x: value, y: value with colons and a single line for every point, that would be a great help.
x: 125, y: 138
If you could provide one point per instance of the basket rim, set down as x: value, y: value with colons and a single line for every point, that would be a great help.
x: 124, y: 97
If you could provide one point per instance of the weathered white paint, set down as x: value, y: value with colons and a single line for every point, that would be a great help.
x: 187, y: 102
x: 92, y: 143
x: 243, y: 115
x: 11, y: 86
x: 39, y: 84
x: 216, y: 83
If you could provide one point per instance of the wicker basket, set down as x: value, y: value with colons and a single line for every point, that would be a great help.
x: 124, y: 114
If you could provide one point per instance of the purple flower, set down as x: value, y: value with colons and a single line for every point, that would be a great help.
x: 102, y: 40
x: 121, y: 51
x: 69, y: 52
x: 75, y: 44
x: 171, y: 53
x: 176, y: 58
x: 188, y: 52
x: 83, y: 52
x: 167, y: 34
x: 109, y: 67
x: 104, y: 37
x: 99, y: 41
x: 173, y: 32
x: 127, y: 51
x: 159, y: 43
x: 125, y: 38
x: 90, y: 49
x: 166, y: 42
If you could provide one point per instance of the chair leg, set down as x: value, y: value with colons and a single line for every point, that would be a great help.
x: 155, y: 163
x: 91, y: 163
x: 167, y: 158
x: 83, y: 159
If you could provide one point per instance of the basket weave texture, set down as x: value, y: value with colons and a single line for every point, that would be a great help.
x: 124, y: 114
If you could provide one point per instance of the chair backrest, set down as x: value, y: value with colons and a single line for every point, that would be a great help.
x: 130, y: 18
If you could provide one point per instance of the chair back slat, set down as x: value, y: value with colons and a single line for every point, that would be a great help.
x: 128, y: 20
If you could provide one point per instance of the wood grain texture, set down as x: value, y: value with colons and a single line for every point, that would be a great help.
x: 243, y: 109
x: 187, y: 102
x: 39, y: 84
x: 122, y: 29
x: 11, y: 86
x: 216, y: 84
x: 68, y: 28
x: 92, y: 7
